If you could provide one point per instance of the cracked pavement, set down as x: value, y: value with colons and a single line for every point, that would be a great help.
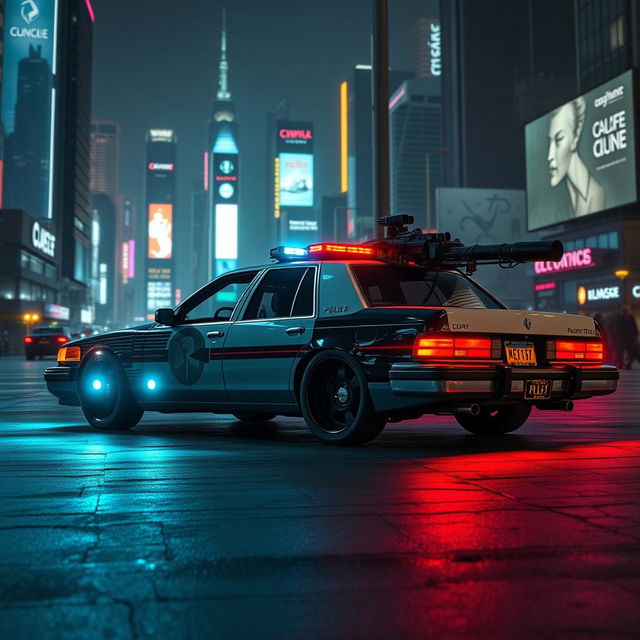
x: 198, y: 526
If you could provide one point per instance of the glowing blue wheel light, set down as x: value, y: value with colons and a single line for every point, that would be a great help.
x: 97, y: 385
x: 151, y: 384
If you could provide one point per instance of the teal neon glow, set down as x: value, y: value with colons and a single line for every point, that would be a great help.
x: 97, y: 384
x: 151, y: 384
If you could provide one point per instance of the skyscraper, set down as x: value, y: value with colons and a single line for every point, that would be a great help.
x: 416, y: 149
x: 223, y: 172
x: 105, y: 155
x: 356, y: 147
x: 71, y: 196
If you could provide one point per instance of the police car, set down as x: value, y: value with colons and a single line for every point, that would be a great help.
x: 349, y: 336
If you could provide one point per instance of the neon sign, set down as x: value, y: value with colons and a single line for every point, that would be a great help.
x: 545, y: 286
x: 577, y: 259
x: 296, y: 134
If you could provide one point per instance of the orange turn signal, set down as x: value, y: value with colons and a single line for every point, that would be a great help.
x: 69, y: 354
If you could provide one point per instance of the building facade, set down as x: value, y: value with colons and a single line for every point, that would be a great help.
x: 45, y: 109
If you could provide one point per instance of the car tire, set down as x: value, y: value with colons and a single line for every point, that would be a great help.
x: 497, y: 421
x: 110, y: 406
x: 335, y: 400
x: 256, y: 416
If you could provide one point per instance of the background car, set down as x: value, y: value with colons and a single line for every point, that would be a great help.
x: 45, y: 341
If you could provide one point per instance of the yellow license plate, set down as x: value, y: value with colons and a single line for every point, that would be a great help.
x: 521, y: 354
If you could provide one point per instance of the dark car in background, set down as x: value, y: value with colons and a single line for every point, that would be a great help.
x: 45, y: 341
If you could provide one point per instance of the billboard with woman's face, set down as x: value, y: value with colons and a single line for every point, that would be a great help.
x: 581, y: 156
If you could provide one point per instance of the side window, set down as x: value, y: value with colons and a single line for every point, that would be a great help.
x: 275, y: 294
x: 217, y: 301
x: 303, y: 305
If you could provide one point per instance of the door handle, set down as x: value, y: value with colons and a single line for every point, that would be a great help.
x: 215, y: 334
x: 295, y: 331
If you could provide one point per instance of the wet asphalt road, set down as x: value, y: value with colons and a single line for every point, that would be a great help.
x: 197, y: 526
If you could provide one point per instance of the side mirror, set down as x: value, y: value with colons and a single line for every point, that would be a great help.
x: 165, y: 316
x: 223, y: 313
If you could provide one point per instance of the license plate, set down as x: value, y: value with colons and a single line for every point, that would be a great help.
x: 521, y: 354
x: 537, y: 389
x: 44, y: 341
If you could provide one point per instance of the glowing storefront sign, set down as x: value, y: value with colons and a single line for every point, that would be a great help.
x: 160, y: 166
x: 577, y: 259
x: 292, y: 135
x: 43, y: 239
x: 598, y: 294
x: 635, y: 291
x: 160, y: 231
x: 276, y: 187
x: 545, y: 286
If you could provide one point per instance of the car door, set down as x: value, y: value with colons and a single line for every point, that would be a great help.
x: 276, y: 324
x: 184, y: 362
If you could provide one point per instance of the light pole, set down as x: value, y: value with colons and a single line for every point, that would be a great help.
x: 435, y: 152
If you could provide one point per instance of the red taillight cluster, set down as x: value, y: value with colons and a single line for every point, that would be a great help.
x: 62, y: 339
x: 28, y: 340
x: 341, y: 249
x: 452, y: 347
x: 579, y: 350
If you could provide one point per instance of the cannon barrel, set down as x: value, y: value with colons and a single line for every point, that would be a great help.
x: 551, y: 250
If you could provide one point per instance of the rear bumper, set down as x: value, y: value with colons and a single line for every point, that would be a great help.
x: 424, y: 388
x: 500, y: 382
x: 62, y: 383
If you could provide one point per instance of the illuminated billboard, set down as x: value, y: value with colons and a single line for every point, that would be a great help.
x: 160, y: 231
x: 296, y: 180
x: 294, y: 144
x: 28, y: 104
x: 581, y: 156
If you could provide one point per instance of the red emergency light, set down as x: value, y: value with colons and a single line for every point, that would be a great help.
x: 341, y: 250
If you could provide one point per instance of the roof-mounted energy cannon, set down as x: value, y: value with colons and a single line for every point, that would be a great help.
x: 439, y: 250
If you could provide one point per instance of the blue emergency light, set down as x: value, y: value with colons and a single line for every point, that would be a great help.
x: 289, y: 253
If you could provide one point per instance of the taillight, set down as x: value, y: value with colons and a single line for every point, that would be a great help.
x: 579, y: 350
x: 62, y: 339
x: 452, y: 347
x: 28, y: 340
x: 69, y: 354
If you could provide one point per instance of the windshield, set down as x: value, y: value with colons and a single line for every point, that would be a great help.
x: 402, y: 286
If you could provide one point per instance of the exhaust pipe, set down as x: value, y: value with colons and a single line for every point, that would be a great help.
x: 467, y: 410
x: 559, y: 405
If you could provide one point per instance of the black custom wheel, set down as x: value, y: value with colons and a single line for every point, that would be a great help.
x: 256, y: 416
x: 335, y: 400
x: 105, y: 396
x: 497, y: 421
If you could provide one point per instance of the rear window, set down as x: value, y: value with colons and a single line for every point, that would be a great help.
x: 400, y: 286
x: 49, y: 330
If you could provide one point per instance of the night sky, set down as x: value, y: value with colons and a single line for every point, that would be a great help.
x: 156, y: 65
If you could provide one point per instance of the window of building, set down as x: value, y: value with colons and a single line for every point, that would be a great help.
x: 36, y: 265
x: 7, y: 289
x: 50, y: 272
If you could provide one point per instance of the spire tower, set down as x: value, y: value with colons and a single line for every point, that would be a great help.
x: 223, y: 91
x: 223, y: 107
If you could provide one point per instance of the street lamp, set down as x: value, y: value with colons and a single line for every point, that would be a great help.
x: 29, y: 319
x: 435, y: 152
